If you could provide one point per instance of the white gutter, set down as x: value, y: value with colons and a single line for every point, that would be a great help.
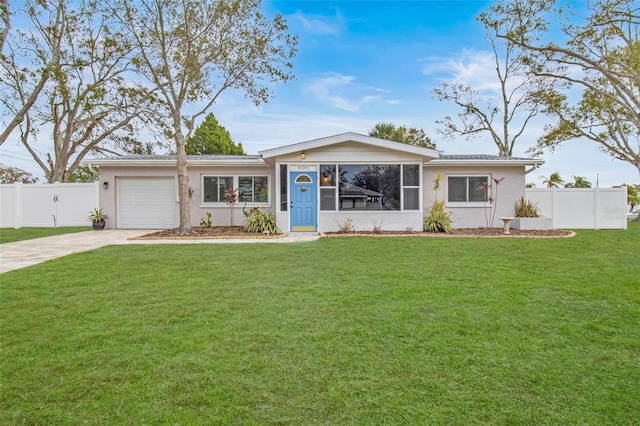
x: 535, y: 163
x: 172, y: 162
x: 534, y: 167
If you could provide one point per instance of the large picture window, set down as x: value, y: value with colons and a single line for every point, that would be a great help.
x: 354, y: 187
x: 466, y: 189
x: 251, y: 189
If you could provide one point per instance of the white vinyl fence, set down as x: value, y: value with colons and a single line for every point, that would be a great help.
x: 47, y: 205
x: 590, y: 208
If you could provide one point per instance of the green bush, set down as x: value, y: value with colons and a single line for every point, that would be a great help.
x: 206, y: 222
x: 438, y: 220
x: 526, y: 208
x: 261, y: 222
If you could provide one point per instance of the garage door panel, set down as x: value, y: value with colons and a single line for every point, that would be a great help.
x: 147, y: 203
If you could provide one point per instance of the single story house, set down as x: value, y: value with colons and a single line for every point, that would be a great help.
x: 314, y: 186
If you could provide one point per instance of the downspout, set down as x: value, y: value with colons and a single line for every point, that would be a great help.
x: 535, y: 166
x: 92, y: 170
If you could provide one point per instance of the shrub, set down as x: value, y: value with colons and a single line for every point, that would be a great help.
x: 526, y: 208
x: 438, y: 220
x: 206, y: 222
x: 346, y: 226
x: 261, y: 222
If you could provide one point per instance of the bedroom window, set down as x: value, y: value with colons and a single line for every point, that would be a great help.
x: 251, y: 189
x: 466, y: 189
x: 214, y: 187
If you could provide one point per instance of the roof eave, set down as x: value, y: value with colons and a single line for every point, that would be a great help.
x: 347, y: 137
x: 170, y: 163
x: 529, y: 162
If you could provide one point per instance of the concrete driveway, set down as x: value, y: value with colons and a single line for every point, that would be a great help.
x: 30, y: 252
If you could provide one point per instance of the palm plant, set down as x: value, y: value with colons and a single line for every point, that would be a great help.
x: 578, y: 182
x: 553, y: 181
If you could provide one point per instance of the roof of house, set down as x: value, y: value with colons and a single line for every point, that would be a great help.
x: 431, y: 157
x: 170, y: 160
x: 483, y: 159
x: 352, y: 190
x: 348, y: 137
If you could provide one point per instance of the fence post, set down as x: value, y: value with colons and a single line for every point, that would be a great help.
x: 554, y: 215
x: 596, y: 203
x: 56, y: 189
x: 17, y: 222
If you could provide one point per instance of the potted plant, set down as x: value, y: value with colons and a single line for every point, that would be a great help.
x: 528, y: 217
x: 98, y: 219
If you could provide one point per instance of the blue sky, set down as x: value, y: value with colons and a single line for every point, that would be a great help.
x: 364, y: 62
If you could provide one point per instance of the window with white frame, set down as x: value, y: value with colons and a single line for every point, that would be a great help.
x: 251, y: 189
x: 354, y: 187
x: 214, y: 187
x: 466, y: 189
x: 411, y: 186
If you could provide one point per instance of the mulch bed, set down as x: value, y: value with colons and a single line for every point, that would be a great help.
x: 201, y: 232
x: 464, y: 232
x: 237, y: 232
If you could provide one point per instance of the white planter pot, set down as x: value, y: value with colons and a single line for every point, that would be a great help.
x: 532, y: 223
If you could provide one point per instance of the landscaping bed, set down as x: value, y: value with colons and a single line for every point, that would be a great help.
x: 238, y: 232
x: 201, y: 232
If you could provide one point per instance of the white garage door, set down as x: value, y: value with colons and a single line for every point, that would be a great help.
x: 147, y: 203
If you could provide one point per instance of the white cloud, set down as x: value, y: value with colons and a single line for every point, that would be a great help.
x: 340, y: 91
x: 322, y: 25
x: 476, y: 69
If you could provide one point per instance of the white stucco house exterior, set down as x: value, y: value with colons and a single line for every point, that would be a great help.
x: 314, y: 186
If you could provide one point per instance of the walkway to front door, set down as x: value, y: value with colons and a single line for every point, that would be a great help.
x: 304, y: 206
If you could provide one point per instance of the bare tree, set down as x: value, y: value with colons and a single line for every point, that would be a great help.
x: 505, y: 114
x: 5, y: 21
x: 599, y: 55
x: 86, y: 98
x: 193, y: 50
x: 26, y: 63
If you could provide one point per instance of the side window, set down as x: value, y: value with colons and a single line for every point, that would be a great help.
x: 466, y: 189
x: 214, y: 187
x: 328, y: 187
x: 284, y: 179
x: 252, y: 189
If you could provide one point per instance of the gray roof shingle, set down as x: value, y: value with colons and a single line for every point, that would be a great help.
x: 463, y: 157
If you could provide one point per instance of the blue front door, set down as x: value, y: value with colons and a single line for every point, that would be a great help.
x: 304, y: 206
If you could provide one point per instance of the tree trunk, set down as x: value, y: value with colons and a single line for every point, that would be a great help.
x: 183, y: 185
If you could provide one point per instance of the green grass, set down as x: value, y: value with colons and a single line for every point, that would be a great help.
x: 10, y: 235
x: 355, y: 331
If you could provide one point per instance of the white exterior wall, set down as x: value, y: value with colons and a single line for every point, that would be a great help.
x: 365, y: 221
x: 586, y: 208
x: 47, y: 205
x: 509, y: 191
x: 353, y: 153
x: 220, y: 212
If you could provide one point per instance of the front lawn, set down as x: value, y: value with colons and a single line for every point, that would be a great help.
x: 340, y: 331
x: 9, y: 235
